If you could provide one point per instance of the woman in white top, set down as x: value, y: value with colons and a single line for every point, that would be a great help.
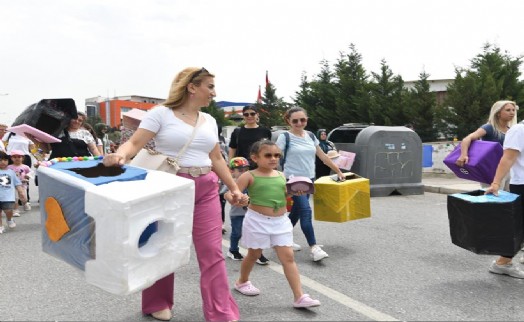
x: 171, y: 126
x: 76, y: 141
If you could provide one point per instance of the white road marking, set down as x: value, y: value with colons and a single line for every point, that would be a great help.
x: 331, y: 293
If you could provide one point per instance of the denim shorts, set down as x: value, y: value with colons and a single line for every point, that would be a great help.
x: 262, y: 232
x: 7, y: 205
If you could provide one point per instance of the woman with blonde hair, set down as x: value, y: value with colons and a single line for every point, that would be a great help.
x: 502, y: 116
x: 171, y: 125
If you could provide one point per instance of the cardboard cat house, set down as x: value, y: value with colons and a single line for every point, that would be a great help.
x: 125, y: 228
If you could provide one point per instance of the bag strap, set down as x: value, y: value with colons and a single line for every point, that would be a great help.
x: 283, y: 159
x: 184, y: 148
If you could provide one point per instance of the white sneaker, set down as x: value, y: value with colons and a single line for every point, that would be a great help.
x: 508, y: 269
x: 16, y: 213
x: 296, y: 247
x: 317, y: 253
x: 11, y: 223
x: 27, y: 206
x: 2, y: 229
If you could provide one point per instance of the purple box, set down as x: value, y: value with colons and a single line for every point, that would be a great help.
x: 484, y: 157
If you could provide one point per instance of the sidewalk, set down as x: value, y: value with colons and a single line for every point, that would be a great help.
x: 447, y: 183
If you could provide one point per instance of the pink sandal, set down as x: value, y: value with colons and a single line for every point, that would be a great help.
x: 306, y: 301
x: 247, y: 289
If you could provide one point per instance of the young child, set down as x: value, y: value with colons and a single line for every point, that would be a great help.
x: 239, y: 165
x: 8, y: 183
x: 23, y: 173
x: 266, y: 223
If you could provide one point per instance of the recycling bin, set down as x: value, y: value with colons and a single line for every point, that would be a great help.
x: 391, y: 158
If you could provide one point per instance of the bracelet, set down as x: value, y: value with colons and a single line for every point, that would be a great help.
x: 495, y: 183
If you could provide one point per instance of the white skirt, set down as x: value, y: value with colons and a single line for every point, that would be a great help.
x: 262, y: 232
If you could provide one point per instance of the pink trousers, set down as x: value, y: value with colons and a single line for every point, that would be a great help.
x: 218, y: 303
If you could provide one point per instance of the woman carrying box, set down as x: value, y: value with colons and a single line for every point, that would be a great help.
x: 300, y: 161
x: 502, y: 116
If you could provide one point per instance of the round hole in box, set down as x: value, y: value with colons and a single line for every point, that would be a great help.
x: 146, y: 243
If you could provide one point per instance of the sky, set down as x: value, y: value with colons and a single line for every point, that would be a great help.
x: 87, y: 48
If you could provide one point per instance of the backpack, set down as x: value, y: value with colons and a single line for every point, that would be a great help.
x: 284, y: 153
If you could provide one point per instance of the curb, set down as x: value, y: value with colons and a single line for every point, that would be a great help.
x: 443, y: 190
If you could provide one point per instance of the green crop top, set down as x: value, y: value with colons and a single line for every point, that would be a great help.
x: 268, y: 191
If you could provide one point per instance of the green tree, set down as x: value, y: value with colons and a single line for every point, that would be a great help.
x: 420, y: 109
x: 351, y: 82
x: 93, y: 120
x: 272, y: 108
x: 493, y: 76
x: 217, y: 113
x: 386, y: 106
x: 319, y: 98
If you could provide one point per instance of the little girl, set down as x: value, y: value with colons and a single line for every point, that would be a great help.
x: 23, y: 173
x: 266, y: 223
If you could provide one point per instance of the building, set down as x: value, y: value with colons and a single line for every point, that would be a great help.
x: 110, y: 109
x: 232, y: 110
x: 437, y: 86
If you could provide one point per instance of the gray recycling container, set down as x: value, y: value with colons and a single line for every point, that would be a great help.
x: 390, y: 157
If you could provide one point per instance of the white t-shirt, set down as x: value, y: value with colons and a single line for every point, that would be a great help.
x: 300, y: 159
x: 17, y: 142
x: 515, y: 140
x: 172, y: 134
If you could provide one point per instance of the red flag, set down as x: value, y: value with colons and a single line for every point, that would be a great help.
x: 259, y: 98
x: 267, y: 79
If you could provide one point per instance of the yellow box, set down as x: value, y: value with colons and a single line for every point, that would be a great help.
x: 342, y: 201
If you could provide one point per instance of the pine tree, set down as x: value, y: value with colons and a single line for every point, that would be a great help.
x: 420, y: 109
x: 386, y: 102
x: 492, y: 76
x: 272, y: 108
x: 318, y: 98
x: 352, y: 88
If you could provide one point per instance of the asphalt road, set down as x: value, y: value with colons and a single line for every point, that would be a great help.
x: 397, y: 265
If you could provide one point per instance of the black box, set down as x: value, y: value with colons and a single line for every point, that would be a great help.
x: 486, y: 224
x: 51, y: 116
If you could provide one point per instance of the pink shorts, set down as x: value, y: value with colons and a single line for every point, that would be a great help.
x: 262, y: 232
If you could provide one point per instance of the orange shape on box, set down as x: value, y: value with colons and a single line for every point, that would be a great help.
x: 55, y: 225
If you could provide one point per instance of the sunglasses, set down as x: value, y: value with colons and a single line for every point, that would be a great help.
x: 274, y: 155
x: 249, y: 114
x: 195, y: 75
x: 301, y: 120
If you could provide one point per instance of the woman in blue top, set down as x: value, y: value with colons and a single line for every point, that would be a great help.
x: 502, y: 116
x: 300, y: 161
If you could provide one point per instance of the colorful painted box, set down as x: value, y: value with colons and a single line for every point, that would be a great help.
x: 341, y: 201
